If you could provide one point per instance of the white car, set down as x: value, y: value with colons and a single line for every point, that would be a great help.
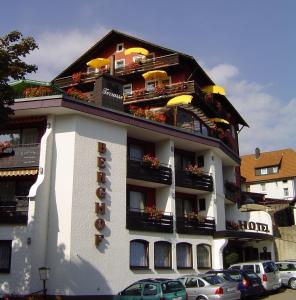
x: 287, y: 271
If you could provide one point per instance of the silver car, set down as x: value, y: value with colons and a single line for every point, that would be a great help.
x: 209, y: 287
x: 287, y: 273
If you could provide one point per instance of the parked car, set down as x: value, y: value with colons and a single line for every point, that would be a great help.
x: 154, y: 289
x: 209, y: 287
x: 266, y: 270
x: 287, y: 271
x: 248, y: 282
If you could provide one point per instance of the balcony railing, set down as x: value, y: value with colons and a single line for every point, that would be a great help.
x: 202, y: 182
x: 142, y: 171
x: 25, y: 155
x: 14, y: 211
x: 232, y: 191
x: 142, y: 66
x: 189, y: 225
x: 167, y: 91
x: 137, y: 219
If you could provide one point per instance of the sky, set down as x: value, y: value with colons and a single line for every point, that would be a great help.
x: 248, y: 47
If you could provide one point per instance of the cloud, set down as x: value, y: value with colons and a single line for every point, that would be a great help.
x: 272, y: 121
x: 59, y: 49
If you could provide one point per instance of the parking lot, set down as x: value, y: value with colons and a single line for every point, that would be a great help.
x: 284, y: 294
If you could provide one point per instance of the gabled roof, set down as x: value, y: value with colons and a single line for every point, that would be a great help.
x: 285, y: 159
x: 117, y: 35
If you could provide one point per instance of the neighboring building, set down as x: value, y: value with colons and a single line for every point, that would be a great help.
x: 271, y: 173
x: 113, y: 174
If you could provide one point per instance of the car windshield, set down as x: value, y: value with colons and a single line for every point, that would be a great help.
x: 269, y: 267
x: 213, y: 279
x: 172, y: 287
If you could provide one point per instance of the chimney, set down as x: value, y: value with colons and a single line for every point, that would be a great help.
x: 257, y: 153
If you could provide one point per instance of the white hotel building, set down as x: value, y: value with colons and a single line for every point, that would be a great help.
x: 77, y: 196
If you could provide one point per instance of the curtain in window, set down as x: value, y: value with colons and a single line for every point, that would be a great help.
x: 203, y: 256
x: 135, y: 152
x: 162, y: 254
x: 184, y: 255
x: 138, y: 254
x: 137, y: 201
x: 4, y: 255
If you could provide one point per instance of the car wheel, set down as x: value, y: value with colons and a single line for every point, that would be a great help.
x: 292, y: 283
x: 201, y: 298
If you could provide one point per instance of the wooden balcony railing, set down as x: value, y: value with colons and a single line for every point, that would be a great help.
x: 167, y: 91
x: 137, y: 219
x: 14, y: 211
x: 189, y: 225
x: 141, y: 171
x: 199, y: 182
x: 25, y: 155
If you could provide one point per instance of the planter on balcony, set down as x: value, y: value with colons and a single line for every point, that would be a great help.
x: 146, y: 221
x: 141, y: 171
x: 203, y: 226
x: 199, y: 182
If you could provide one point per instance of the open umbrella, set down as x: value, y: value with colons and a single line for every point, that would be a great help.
x: 155, y: 75
x: 136, y: 50
x: 98, y: 62
x: 180, y: 100
x: 219, y: 120
x: 214, y: 89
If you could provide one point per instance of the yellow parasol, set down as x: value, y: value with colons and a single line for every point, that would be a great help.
x: 214, y: 89
x: 219, y: 120
x: 180, y: 100
x: 155, y: 75
x: 136, y: 50
x: 98, y: 62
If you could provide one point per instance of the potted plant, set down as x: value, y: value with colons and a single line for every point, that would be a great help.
x: 151, y: 161
x: 76, y: 77
x: 37, y: 91
x: 5, y: 145
x: 73, y: 92
x: 154, y: 213
x: 194, y: 170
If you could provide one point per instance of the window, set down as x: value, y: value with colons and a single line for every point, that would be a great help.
x: 127, y: 89
x: 162, y: 255
x: 263, y: 187
x: 275, y: 169
x: 286, y: 192
x: 184, y: 256
x: 119, y: 63
x: 183, y: 159
x: 185, y: 204
x: 5, y: 256
x: 136, y: 201
x: 248, y: 189
x: 139, y: 254
x: 257, y: 269
x: 200, y: 161
x: 248, y: 268
x: 172, y: 287
x: 133, y: 290
x: 119, y: 47
x: 149, y: 289
x: 150, y: 85
x: 92, y: 70
x: 135, y: 152
x: 202, y: 204
x: 263, y: 171
x: 191, y: 283
x: 138, y: 58
x: 203, y: 253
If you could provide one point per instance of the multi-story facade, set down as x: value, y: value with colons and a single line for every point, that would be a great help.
x: 125, y: 175
x: 271, y: 173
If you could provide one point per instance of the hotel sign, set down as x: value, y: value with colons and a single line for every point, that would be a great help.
x: 255, y: 226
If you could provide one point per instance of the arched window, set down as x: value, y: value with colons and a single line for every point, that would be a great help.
x: 184, y: 256
x: 162, y: 255
x: 204, y: 256
x: 139, y: 257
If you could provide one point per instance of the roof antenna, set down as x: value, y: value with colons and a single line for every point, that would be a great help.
x: 257, y: 153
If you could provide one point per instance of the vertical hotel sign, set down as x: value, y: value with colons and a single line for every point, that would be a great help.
x: 100, y: 206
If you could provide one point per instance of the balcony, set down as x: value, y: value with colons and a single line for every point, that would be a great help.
x: 232, y: 191
x: 168, y: 91
x: 143, y: 221
x: 26, y: 155
x: 141, y: 171
x: 14, y: 211
x: 202, y: 182
x: 192, y: 225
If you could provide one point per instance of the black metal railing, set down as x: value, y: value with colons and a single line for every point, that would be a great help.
x: 199, y: 182
x: 14, y: 211
x: 25, y: 155
x: 143, y: 171
x: 196, y: 225
x: 137, y: 219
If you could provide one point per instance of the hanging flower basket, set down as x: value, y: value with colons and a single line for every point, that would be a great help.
x: 151, y: 161
x: 194, y: 170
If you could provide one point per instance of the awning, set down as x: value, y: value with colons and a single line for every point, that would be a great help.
x: 180, y: 100
x: 214, y: 89
x: 155, y: 75
x: 136, y: 50
x: 98, y: 62
x: 219, y: 120
x: 22, y: 172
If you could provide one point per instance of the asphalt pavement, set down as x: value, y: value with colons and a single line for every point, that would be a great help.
x: 283, y: 294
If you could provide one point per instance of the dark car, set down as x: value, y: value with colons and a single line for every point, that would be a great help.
x: 249, y: 283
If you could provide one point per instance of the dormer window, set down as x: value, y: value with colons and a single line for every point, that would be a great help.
x: 263, y: 171
x: 119, y: 47
x: 267, y: 170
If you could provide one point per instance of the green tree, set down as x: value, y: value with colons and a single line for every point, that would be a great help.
x: 13, y: 48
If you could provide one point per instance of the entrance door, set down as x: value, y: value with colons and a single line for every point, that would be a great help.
x: 251, y: 253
